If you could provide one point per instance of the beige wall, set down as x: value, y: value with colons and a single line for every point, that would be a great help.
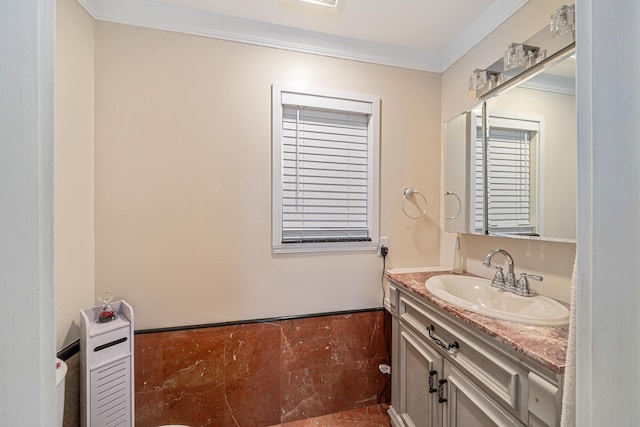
x: 552, y: 260
x: 183, y: 178
x: 74, y: 118
x: 182, y: 175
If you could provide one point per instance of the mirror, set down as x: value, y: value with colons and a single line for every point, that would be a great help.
x: 528, y: 189
x: 462, y: 175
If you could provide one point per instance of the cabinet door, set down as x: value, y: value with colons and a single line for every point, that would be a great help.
x: 468, y: 406
x: 417, y: 404
x: 111, y: 394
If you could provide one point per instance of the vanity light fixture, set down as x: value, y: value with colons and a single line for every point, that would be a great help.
x: 563, y: 21
x: 327, y: 3
x: 481, y: 79
x: 522, y: 55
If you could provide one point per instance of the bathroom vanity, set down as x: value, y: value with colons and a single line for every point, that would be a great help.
x: 452, y: 367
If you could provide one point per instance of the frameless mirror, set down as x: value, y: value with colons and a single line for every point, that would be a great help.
x: 528, y: 189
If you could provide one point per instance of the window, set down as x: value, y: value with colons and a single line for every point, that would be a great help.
x: 512, y: 170
x: 325, y: 171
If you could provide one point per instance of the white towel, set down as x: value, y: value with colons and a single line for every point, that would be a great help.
x: 568, y: 418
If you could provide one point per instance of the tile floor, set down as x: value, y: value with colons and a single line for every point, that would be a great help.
x: 369, y: 416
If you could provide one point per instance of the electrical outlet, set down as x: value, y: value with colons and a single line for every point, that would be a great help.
x: 384, y: 241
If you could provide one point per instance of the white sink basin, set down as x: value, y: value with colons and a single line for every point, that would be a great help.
x: 477, y: 295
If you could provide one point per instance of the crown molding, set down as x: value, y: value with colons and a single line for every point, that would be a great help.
x: 492, y: 18
x: 551, y: 83
x: 160, y: 16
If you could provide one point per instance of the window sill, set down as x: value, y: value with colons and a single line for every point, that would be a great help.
x: 324, y: 247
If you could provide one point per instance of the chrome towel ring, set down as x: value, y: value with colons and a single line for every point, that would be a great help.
x: 451, y: 193
x: 409, y: 194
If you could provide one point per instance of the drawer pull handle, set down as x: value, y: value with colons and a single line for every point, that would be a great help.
x: 441, y: 398
x: 432, y: 374
x: 110, y: 344
x: 438, y: 341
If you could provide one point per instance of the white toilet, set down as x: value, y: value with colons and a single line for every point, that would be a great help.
x: 61, y: 372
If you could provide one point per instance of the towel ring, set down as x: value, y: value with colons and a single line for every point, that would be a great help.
x: 408, y: 194
x: 451, y: 193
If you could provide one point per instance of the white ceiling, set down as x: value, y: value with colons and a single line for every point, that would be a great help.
x: 422, y: 24
x: 420, y: 34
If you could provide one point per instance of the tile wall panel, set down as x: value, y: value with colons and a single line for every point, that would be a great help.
x: 261, y: 374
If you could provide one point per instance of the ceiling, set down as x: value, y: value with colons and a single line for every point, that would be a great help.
x: 421, y: 34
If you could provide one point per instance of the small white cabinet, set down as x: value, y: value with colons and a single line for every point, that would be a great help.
x: 106, y: 371
x: 445, y: 373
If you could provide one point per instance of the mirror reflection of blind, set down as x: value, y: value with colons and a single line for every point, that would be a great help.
x: 325, y: 155
x: 511, y: 177
x: 509, y: 181
x: 478, y: 182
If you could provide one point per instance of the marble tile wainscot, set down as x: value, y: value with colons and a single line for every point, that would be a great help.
x: 261, y: 373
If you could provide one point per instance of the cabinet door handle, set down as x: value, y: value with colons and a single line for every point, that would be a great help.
x: 441, y: 398
x: 438, y: 341
x: 432, y: 374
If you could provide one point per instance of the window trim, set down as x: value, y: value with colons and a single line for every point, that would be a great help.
x: 373, y: 174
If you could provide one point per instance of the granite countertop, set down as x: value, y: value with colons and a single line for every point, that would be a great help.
x: 547, y: 346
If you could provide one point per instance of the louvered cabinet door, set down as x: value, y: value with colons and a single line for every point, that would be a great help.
x: 111, y: 394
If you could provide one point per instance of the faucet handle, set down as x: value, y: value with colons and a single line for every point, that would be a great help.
x: 522, y: 286
x: 498, y: 279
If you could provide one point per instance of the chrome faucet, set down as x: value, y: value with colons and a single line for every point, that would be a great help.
x: 508, y: 283
x: 500, y: 281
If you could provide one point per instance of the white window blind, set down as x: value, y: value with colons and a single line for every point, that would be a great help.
x: 328, y: 172
x: 324, y: 175
x: 511, y: 171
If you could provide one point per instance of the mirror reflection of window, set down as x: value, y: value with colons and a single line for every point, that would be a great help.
x: 512, y: 169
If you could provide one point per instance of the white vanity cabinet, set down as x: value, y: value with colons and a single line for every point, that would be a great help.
x: 446, y: 373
